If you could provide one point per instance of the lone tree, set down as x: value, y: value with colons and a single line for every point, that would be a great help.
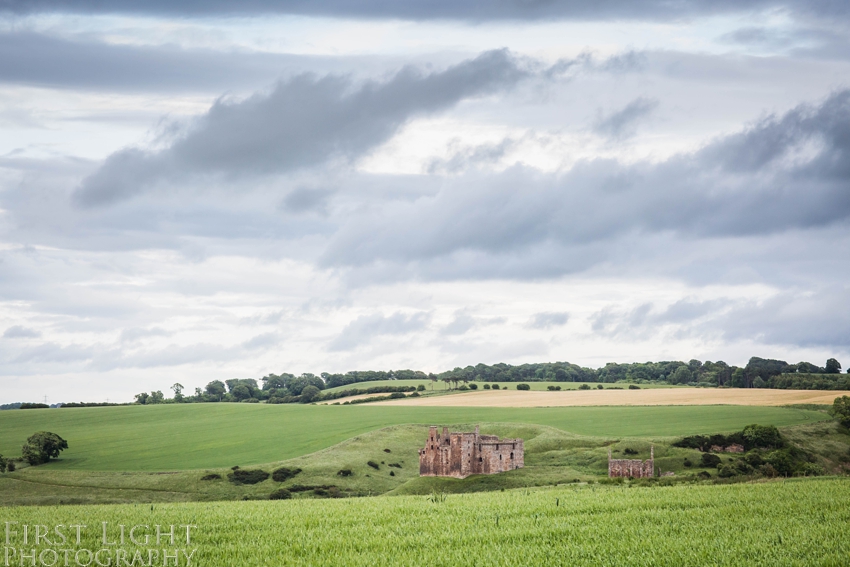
x: 832, y: 366
x: 42, y: 446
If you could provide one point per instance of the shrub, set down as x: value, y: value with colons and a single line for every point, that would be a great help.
x: 704, y: 475
x: 634, y: 387
x: 27, y: 405
x: 629, y: 451
x: 523, y: 387
x: 42, y: 446
x: 280, y: 494
x: 392, y: 473
x: 473, y: 386
x: 212, y: 476
x: 726, y: 471
x: 387, y: 451
x: 420, y: 388
x: 397, y: 395
x: 396, y: 465
x: 10, y: 466
x: 284, y: 473
x: 486, y: 386
x: 413, y: 395
x: 550, y: 388
x: 584, y: 387
x: 246, y: 476
x: 374, y: 465
x: 811, y: 469
x: 688, y: 463
x: 710, y: 461
x: 841, y: 409
x: 309, y: 394
x: 557, y: 387
x: 344, y: 472
x: 464, y: 388
x: 495, y: 386
x: 599, y: 387
x: 2, y: 464
x: 762, y: 436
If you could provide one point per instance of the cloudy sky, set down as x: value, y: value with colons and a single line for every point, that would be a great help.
x: 189, y: 192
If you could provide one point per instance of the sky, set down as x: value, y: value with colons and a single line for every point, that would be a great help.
x: 192, y: 191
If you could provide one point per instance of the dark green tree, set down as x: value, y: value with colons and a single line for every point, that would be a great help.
x: 156, y: 397
x: 833, y: 366
x: 841, y: 410
x: 309, y: 394
x: 42, y: 446
x: 216, y: 389
x: 142, y: 398
x: 177, y: 388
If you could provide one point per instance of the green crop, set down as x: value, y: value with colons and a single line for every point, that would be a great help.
x: 801, y: 522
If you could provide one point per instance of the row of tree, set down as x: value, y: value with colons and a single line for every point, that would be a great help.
x: 758, y: 373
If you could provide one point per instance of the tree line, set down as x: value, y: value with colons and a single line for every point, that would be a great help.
x: 308, y: 387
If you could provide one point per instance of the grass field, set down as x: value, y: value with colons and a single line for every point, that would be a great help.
x: 643, y: 397
x: 197, y: 436
x: 790, y: 523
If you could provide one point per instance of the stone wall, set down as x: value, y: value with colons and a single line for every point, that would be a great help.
x: 459, y: 455
x: 634, y: 468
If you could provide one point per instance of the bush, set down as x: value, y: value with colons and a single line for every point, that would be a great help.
x: 27, y: 405
x: 464, y: 388
x: 762, y: 436
x: 709, y: 461
x: 280, y: 494
x: 599, y: 387
x: 10, y: 466
x: 629, y: 451
x: 486, y: 386
x: 344, y: 472
x: 413, y: 395
x: 387, y: 451
x: 284, y: 473
x: 523, y: 387
x: 726, y: 471
x: 397, y: 395
x: 420, y: 388
x: 584, y: 387
x: 42, y: 446
x: 396, y: 465
x: 212, y: 476
x: 688, y: 463
x: 374, y: 465
x: 495, y: 386
x: 634, y: 387
x: 246, y: 476
x: 392, y: 473
x: 550, y: 388
x: 473, y: 386
x: 309, y: 394
x: 704, y: 475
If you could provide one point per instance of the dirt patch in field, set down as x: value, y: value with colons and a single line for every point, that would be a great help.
x: 654, y: 397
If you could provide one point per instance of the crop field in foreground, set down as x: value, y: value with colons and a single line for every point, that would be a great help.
x: 800, y: 522
x: 196, y: 436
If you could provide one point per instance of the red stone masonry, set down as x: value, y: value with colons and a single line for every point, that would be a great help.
x: 459, y: 455
x: 634, y: 468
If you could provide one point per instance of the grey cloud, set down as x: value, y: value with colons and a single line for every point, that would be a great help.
x: 363, y: 329
x: 134, y: 334
x: 783, y: 173
x: 442, y: 9
x: 306, y: 199
x: 54, y: 353
x: 549, y: 319
x: 623, y: 123
x: 261, y: 341
x: 20, y: 332
x: 31, y: 58
x: 304, y: 121
x: 460, y: 324
x: 464, y: 157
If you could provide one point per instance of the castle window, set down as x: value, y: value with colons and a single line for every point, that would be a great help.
x: 512, y: 456
x: 480, y: 460
x: 500, y: 457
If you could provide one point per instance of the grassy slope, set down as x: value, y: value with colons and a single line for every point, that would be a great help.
x: 552, y: 456
x: 196, y: 436
x: 801, y: 522
x: 440, y: 386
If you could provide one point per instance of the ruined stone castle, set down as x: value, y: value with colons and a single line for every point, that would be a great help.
x: 634, y: 468
x: 459, y: 455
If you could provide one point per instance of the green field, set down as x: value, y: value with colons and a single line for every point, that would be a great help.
x: 790, y: 523
x: 197, y: 436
